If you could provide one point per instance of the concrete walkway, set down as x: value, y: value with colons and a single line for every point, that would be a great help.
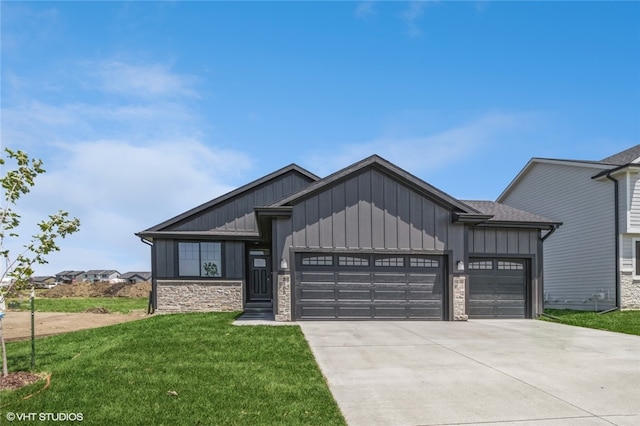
x: 506, y: 372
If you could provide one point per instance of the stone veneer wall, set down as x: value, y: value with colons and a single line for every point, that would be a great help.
x: 284, y: 298
x: 199, y: 296
x: 629, y: 292
x: 459, y: 298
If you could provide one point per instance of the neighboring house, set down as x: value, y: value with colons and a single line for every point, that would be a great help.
x: 68, y: 277
x: 100, y: 275
x: 368, y: 242
x: 593, y: 261
x: 136, y: 277
x: 42, y: 281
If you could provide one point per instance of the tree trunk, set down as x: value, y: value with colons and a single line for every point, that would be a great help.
x: 5, y: 370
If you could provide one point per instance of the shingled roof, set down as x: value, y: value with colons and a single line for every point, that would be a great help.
x: 504, y: 214
x: 625, y: 157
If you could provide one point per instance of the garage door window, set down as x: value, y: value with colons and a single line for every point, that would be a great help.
x: 481, y: 264
x: 390, y: 261
x: 510, y: 266
x: 353, y: 261
x: 311, y: 260
x: 419, y: 262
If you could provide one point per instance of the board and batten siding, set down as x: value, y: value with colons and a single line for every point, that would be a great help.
x: 579, y: 258
x: 166, y: 259
x: 517, y: 242
x: 237, y: 214
x: 369, y: 211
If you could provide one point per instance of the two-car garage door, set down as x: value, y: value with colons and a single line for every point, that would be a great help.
x: 332, y: 286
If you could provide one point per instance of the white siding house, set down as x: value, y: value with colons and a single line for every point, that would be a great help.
x: 590, y: 261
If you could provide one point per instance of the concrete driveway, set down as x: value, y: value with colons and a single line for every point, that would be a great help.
x: 507, y: 372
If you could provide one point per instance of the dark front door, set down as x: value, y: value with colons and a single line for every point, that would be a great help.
x: 259, y: 278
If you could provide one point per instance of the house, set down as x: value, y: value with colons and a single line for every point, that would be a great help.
x: 136, y: 277
x: 100, y: 275
x: 370, y: 242
x: 593, y: 261
x: 68, y: 277
x: 46, y: 281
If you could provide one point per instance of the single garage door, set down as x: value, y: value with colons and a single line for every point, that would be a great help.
x: 331, y: 286
x: 497, y: 288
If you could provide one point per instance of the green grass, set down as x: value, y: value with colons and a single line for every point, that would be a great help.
x: 123, y: 305
x: 619, y: 321
x: 223, y: 375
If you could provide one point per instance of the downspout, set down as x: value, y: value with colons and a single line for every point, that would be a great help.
x: 151, y: 308
x: 616, y: 222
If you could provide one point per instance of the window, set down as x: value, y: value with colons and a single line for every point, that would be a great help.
x: 421, y: 262
x: 390, y: 261
x: 200, y: 259
x: 512, y: 266
x: 481, y: 264
x: 314, y: 260
x: 353, y: 261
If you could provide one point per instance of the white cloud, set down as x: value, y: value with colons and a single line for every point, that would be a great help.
x: 412, y: 16
x: 364, y: 10
x: 116, y: 189
x: 119, y: 165
x: 431, y: 152
x: 144, y: 80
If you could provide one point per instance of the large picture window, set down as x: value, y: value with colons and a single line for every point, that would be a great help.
x: 200, y: 259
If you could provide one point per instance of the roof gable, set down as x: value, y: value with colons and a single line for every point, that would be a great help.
x: 292, y: 169
x: 384, y: 166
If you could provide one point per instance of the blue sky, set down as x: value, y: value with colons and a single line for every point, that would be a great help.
x: 142, y: 110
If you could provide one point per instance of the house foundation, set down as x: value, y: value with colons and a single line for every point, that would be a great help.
x: 459, y: 298
x: 283, y: 312
x: 199, y: 296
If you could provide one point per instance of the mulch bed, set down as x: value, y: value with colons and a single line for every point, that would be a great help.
x: 18, y: 380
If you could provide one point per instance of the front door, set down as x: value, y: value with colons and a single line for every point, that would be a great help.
x: 259, y: 277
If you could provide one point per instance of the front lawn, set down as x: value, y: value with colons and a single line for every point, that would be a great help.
x: 619, y: 321
x: 123, y: 305
x: 222, y: 374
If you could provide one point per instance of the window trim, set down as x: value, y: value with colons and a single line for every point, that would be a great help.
x: 200, y: 277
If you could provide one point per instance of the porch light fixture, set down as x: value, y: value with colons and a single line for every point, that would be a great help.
x: 283, y: 264
x: 460, y: 265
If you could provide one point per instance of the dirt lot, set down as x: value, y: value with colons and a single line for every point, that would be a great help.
x: 17, y: 325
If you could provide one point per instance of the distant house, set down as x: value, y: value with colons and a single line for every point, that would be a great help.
x: 68, y: 277
x: 593, y: 261
x: 100, y: 275
x: 46, y: 279
x: 370, y: 241
x: 136, y: 277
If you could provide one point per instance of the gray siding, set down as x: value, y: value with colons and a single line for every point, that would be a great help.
x: 371, y: 211
x: 630, y: 198
x: 237, y: 213
x: 165, y: 258
x: 579, y: 258
x: 503, y: 241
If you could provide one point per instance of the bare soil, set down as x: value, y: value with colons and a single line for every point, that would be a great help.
x: 99, y: 290
x: 17, y: 325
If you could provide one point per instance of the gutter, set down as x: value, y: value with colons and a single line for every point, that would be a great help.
x: 553, y: 229
x: 616, y: 221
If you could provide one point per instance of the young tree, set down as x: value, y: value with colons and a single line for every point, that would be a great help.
x: 15, y: 183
